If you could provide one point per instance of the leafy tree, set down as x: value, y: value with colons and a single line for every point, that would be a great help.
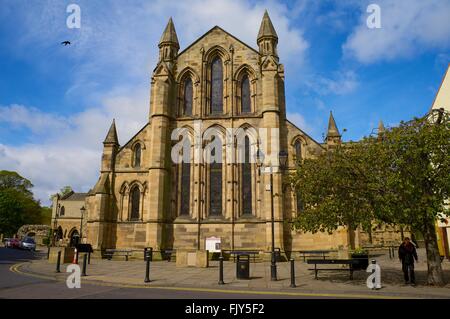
x: 402, y: 177
x: 17, y: 205
x: 13, y: 180
x: 16, y: 209
x: 46, y: 216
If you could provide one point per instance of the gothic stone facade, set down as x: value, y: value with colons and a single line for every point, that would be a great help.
x: 142, y: 198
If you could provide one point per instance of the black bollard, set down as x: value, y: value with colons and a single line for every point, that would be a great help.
x: 145, y: 253
x: 147, y: 270
x: 292, y: 274
x: 151, y: 254
x: 58, y: 262
x: 84, y: 265
x: 221, y: 271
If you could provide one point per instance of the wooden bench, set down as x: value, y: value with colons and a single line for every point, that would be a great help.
x: 349, y: 262
x: 252, y: 253
x: 167, y: 254
x: 109, y: 253
x: 315, y: 253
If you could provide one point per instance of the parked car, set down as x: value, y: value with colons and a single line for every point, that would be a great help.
x: 28, y: 243
x: 13, y: 243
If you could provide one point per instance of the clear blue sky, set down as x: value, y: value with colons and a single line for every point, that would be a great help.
x: 56, y: 102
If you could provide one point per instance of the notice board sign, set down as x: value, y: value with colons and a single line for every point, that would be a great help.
x: 213, y: 244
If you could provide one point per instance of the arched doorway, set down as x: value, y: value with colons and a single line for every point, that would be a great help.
x: 74, y: 237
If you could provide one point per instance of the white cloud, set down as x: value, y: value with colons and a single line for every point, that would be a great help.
x: 407, y: 28
x: 342, y: 82
x: 70, y: 154
x: 38, y: 122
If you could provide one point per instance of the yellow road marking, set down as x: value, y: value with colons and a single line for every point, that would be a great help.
x: 16, y: 269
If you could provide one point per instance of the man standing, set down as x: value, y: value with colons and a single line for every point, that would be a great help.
x: 407, y: 254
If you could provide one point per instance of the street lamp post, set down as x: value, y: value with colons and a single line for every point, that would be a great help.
x: 82, y: 210
x: 55, y: 224
x: 282, y: 157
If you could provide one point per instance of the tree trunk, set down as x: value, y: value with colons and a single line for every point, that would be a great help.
x: 435, y: 273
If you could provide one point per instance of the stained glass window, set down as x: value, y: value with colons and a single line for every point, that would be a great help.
x: 245, y: 95
x: 215, y: 187
x: 246, y: 180
x: 185, y: 188
x: 137, y: 155
x: 298, y: 150
x: 135, y: 199
x: 188, y: 93
x: 216, y: 86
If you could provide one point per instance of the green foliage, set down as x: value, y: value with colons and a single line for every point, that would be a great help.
x: 12, y: 180
x: 359, y: 251
x: 401, y: 177
x: 46, y: 216
x: 16, y: 209
x: 48, y: 239
x: 17, y: 205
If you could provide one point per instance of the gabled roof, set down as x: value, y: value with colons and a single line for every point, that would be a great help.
x: 132, y: 138
x: 303, y: 132
x: 74, y: 196
x: 211, y: 30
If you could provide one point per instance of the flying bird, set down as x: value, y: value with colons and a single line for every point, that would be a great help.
x: 66, y: 43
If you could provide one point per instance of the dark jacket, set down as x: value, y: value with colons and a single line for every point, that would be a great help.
x: 407, y: 253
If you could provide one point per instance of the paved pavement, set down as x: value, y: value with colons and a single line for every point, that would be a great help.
x: 125, y: 279
x: 15, y: 284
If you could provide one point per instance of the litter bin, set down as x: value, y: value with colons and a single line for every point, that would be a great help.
x: 277, y: 254
x: 243, y: 267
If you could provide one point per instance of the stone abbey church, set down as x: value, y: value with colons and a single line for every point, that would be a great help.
x: 144, y: 199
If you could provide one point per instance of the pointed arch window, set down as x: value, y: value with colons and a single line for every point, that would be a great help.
x: 188, y: 97
x: 62, y: 211
x: 216, y: 86
x: 137, y: 155
x: 215, y: 187
x: 185, y: 188
x: 245, y: 95
x: 246, y: 180
x: 298, y: 150
x: 135, y: 203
